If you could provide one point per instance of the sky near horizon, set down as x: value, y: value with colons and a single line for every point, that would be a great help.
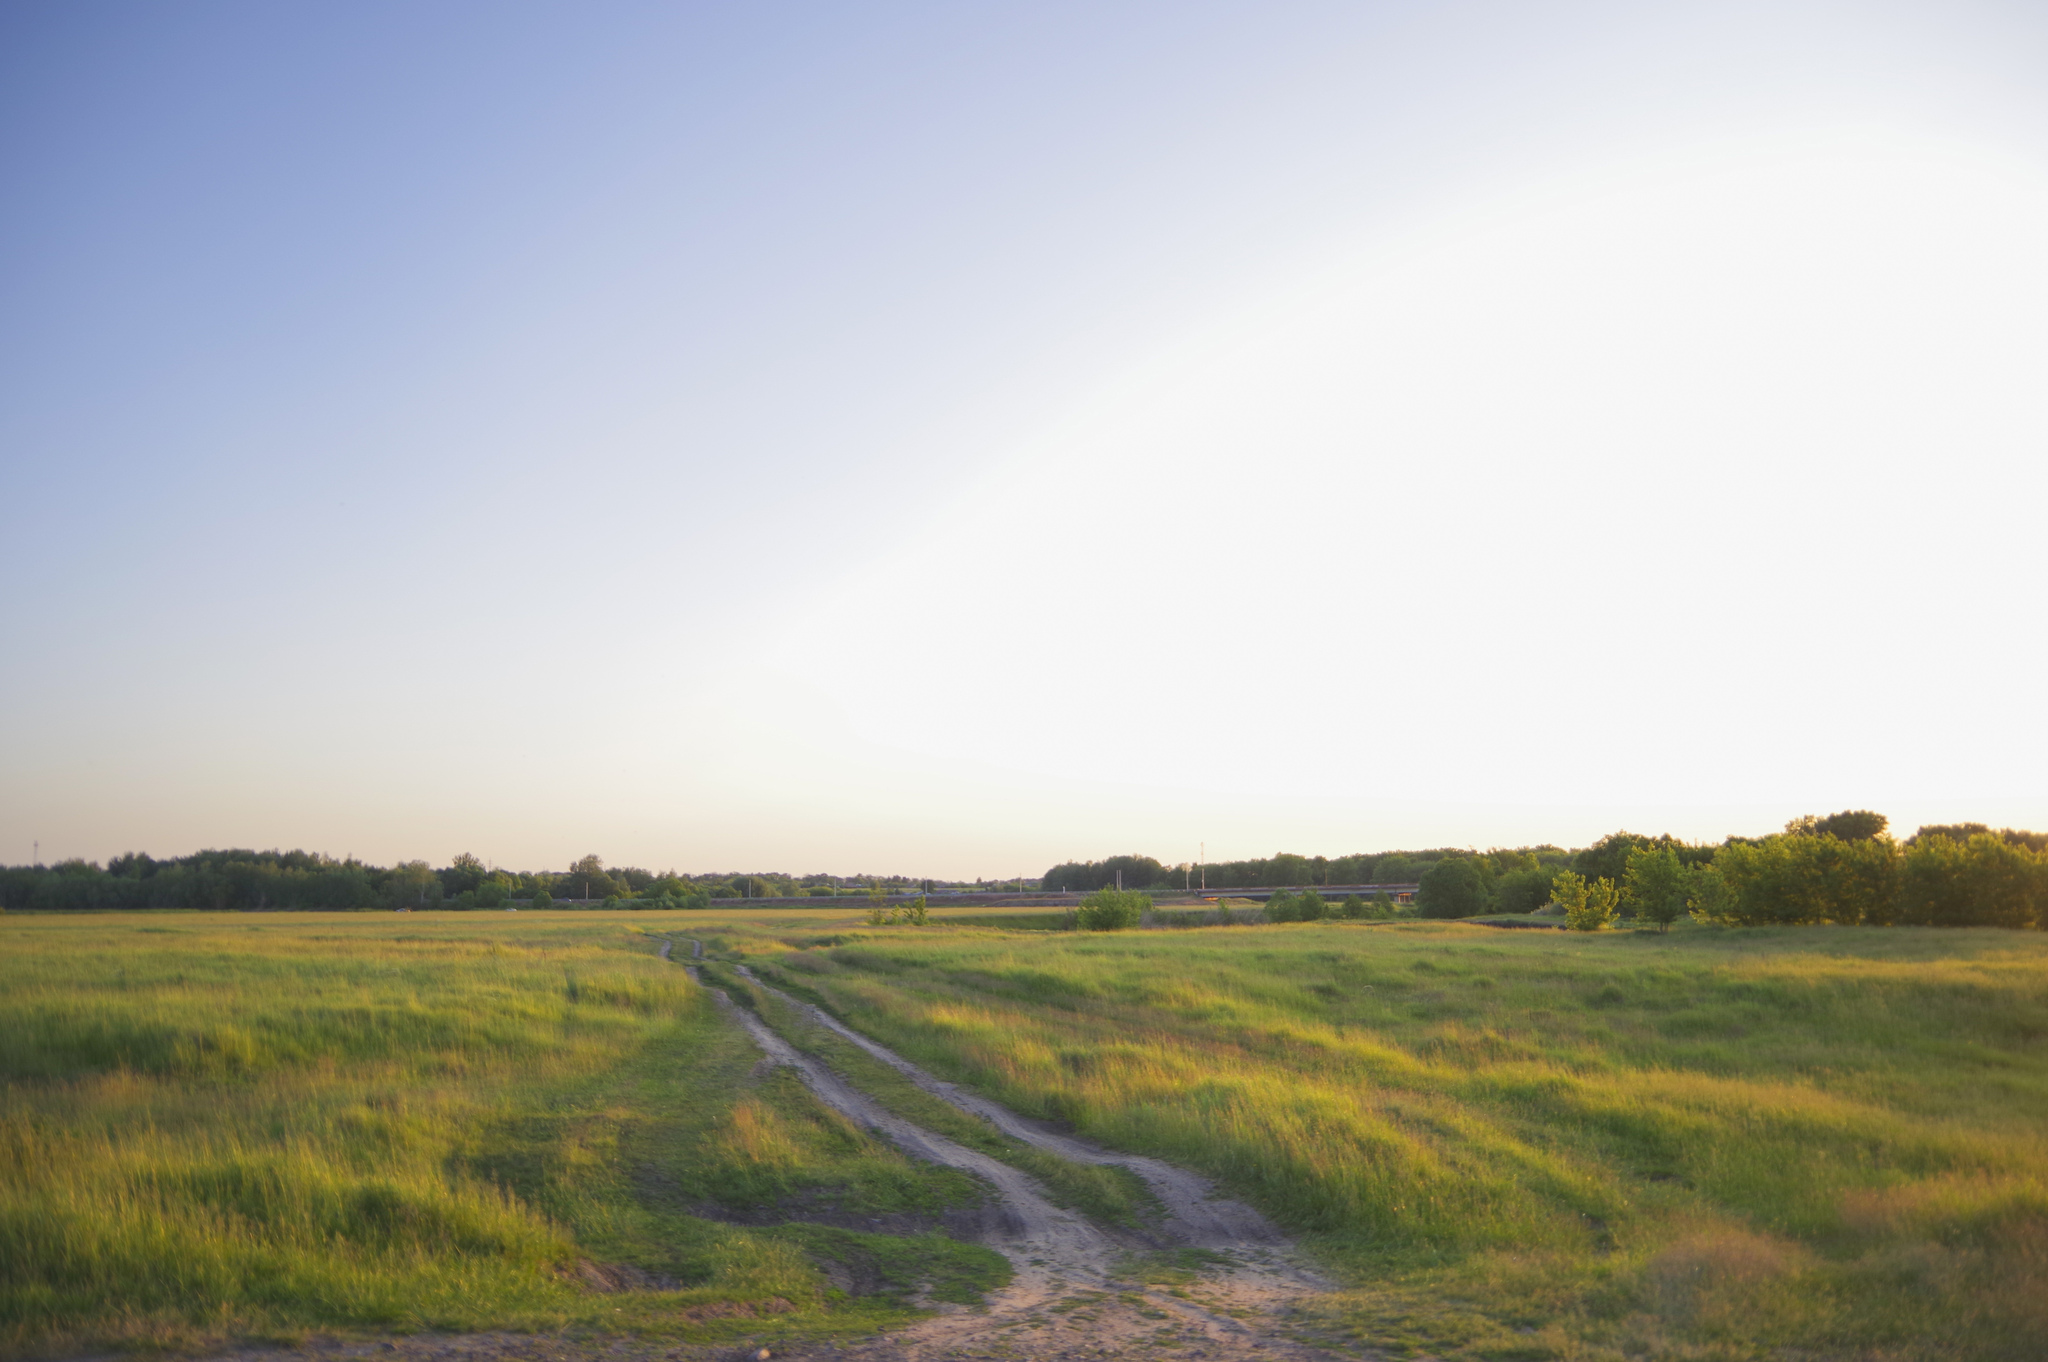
x: 949, y: 440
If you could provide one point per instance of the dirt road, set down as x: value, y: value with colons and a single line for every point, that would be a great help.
x: 1077, y: 1293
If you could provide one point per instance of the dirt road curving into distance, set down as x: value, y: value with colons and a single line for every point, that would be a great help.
x: 1077, y: 1293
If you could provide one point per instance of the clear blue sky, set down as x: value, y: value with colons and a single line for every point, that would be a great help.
x: 953, y: 438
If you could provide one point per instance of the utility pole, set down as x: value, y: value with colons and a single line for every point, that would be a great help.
x: 1204, y: 853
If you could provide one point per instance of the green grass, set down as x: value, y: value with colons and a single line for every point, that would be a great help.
x: 1712, y: 1144
x: 1114, y: 1196
x: 251, y: 1126
x: 1715, y: 1144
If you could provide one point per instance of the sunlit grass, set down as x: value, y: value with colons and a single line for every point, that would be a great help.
x: 1712, y: 1144
x: 222, y: 1126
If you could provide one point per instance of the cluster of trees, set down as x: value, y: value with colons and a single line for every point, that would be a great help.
x: 1127, y: 872
x: 1314, y: 872
x: 1843, y: 869
x: 243, y: 880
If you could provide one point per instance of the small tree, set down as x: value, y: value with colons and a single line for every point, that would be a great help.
x: 1383, y: 905
x: 1587, y: 906
x: 1111, y: 910
x: 1656, y: 885
x: 1280, y: 907
x: 1353, y: 907
x: 540, y: 897
x: 1310, y: 907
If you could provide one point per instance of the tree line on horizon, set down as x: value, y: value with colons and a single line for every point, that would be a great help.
x: 1843, y: 868
x: 243, y: 880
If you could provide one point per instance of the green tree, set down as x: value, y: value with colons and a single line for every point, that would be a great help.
x: 1655, y: 887
x: 1453, y: 887
x: 1588, y: 905
x: 1706, y: 893
x: 465, y: 872
x: 1607, y: 859
x: 1522, y: 891
x: 1353, y: 908
x: 1281, y: 907
x: 540, y: 897
x: 1311, y: 907
x: 1111, y: 910
x: 1138, y: 872
x: 1850, y: 825
x: 412, y: 884
x: 1807, y: 878
x: 1984, y: 881
x: 587, y: 878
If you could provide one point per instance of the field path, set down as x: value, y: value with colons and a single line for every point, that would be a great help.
x: 1075, y: 1294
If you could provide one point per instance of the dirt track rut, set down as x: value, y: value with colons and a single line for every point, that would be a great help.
x: 1075, y: 1294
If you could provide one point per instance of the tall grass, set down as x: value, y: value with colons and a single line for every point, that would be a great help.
x: 1709, y: 1144
x: 249, y: 1126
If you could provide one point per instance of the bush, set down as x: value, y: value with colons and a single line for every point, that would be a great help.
x: 540, y: 899
x: 1310, y: 907
x: 1353, y: 908
x: 1111, y: 910
x: 1588, y: 906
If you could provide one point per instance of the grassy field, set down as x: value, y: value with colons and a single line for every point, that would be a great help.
x: 252, y: 1126
x: 1505, y: 1145
x: 1530, y: 1145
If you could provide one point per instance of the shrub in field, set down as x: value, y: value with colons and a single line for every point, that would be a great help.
x: 1310, y: 907
x: 540, y: 898
x: 1383, y: 905
x: 1280, y: 907
x: 916, y: 913
x: 1985, y: 881
x: 1111, y: 910
x: 1352, y: 908
x: 1453, y: 887
x: 1656, y: 885
x: 1588, y: 905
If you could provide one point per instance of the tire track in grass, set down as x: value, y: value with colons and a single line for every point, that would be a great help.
x: 1077, y: 1292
